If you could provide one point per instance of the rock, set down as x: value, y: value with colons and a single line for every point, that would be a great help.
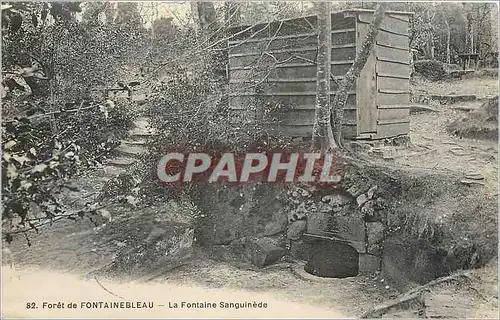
x: 375, y: 232
x: 336, y: 200
x: 371, y: 192
x: 298, y: 214
x: 263, y: 252
x: 317, y: 222
x: 459, y: 153
x: 472, y: 182
x: 476, y: 176
x: 367, y: 209
x: 368, y: 263
x: 361, y: 200
x: 355, y: 191
x: 155, y: 235
x: 323, y: 207
x: 296, y: 229
x: 278, y: 224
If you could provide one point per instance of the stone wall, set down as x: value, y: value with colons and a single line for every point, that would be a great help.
x: 264, y: 222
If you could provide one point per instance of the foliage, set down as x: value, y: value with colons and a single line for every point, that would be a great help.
x: 37, y: 163
x: 52, y: 129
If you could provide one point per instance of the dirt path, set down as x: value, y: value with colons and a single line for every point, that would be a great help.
x: 39, y: 286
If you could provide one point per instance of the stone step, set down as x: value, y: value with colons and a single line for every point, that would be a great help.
x: 141, y: 142
x: 111, y: 171
x: 453, y: 98
x: 120, y: 162
x: 142, y: 122
x: 131, y: 151
x: 140, y: 135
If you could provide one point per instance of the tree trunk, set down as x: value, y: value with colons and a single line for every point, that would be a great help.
x: 448, y: 39
x: 322, y: 137
x: 194, y: 14
x: 347, y: 82
x: 207, y: 16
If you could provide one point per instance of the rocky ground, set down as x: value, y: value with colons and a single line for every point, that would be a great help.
x: 76, y: 253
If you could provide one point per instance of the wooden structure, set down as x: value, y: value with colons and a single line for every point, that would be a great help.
x: 274, y: 63
x: 469, y: 60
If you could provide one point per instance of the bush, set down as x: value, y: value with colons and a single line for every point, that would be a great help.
x: 431, y: 69
x: 41, y: 154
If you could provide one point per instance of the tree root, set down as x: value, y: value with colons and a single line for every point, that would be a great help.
x: 414, y: 297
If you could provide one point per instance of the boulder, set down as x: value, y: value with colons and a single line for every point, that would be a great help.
x: 296, y: 229
x: 263, y: 251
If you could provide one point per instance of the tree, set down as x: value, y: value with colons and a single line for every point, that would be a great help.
x: 322, y: 131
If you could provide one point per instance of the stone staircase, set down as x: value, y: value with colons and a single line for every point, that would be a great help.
x: 130, y: 150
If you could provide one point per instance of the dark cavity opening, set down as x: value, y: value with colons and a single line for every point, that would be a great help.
x: 330, y: 259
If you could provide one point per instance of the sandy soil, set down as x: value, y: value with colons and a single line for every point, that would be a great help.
x: 39, y: 286
x: 61, y: 253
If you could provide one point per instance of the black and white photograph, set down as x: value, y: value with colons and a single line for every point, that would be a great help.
x: 249, y: 159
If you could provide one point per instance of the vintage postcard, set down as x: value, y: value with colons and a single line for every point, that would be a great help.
x: 249, y: 159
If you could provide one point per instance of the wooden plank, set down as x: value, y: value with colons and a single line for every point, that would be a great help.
x: 391, y: 60
x: 393, y: 114
x: 343, y: 38
x: 274, y: 38
x: 366, y: 98
x: 289, y: 86
x: 389, y: 24
x: 306, y: 131
x: 348, y: 62
x: 304, y: 71
x: 296, y: 131
x: 307, y: 117
x: 392, y: 121
x: 277, y: 66
x: 341, y: 22
x: 386, y: 131
x: 344, y: 54
x: 392, y: 76
x: 396, y: 106
x: 393, y: 99
x: 349, y: 45
x: 387, y: 39
x: 343, y: 30
x: 396, y: 69
x: 340, y: 69
x: 391, y: 91
x: 272, y: 93
x: 276, y: 44
x: 280, y: 28
x: 387, y: 53
x: 271, y: 57
x: 275, y: 80
x: 294, y: 72
x: 400, y: 17
x: 258, y: 53
x: 287, y: 102
x: 384, y: 83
